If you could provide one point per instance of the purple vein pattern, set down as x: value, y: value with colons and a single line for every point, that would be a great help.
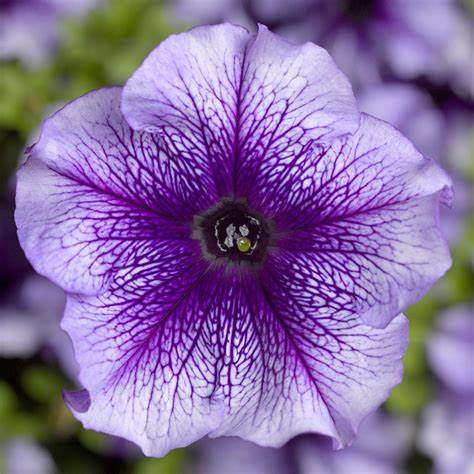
x: 178, y: 334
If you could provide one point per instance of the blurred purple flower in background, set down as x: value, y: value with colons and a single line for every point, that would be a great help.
x: 451, y: 349
x: 413, y: 112
x: 409, y: 109
x: 368, y: 39
x: 210, y: 11
x: 29, y: 323
x: 25, y: 456
x: 30, y: 29
x: 225, y: 256
x: 31, y: 307
x: 448, y: 432
x: 236, y: 456
x: 380, y: 448
x: 13, y: 264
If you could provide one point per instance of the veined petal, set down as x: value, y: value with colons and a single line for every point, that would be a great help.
x: 92, y: 192
x: 331, y: 363
x: 358, y: 225
x: 230, y: 98
x: 146, y: 364
x: 196, y: 351
x: 219, y: 256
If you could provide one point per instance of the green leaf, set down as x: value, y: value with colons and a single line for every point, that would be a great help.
x: 42, y: 384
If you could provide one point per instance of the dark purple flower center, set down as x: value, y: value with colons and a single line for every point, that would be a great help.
x: 232, y: 231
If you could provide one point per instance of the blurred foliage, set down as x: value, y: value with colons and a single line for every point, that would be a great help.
x: 42, y: 384
x: 14, y: 419
x: 416, y: 389
x: 10, y: 146
x: 101, y: 50
x: 469, y: 4
x: 171, y: 464
x: 411, y: 395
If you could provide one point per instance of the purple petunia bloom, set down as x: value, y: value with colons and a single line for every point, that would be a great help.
x: 380, y: 449
x: 237, y: 243
x: 447, y: 434
x: 30, y: 29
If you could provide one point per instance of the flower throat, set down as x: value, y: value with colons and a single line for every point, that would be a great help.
x: 232, y: 231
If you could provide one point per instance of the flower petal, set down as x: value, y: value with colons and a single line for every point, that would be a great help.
x: 79, y: 401
x: 147, y: 356
x: 92, y: 191
x: 195, y: 351
x: 330, y: 365
x: 231, y: 98
x: 358, y: 224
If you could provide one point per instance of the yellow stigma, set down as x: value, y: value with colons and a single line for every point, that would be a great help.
x: 243, y: 244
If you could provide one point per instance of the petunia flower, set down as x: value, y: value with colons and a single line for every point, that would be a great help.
x: 237, y: 243
x: 381, y: 448
x: 30, y: 29
x: 447, y: 433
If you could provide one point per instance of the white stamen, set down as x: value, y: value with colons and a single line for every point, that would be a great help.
x: 229, y: 240
x: 244, y: 230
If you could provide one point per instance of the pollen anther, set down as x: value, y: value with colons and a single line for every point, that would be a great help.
x: 244, y: 244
